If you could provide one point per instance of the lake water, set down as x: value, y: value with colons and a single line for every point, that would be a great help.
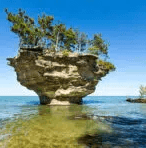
x: 128, y: 120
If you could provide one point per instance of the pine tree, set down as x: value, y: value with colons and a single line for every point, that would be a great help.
x: 69, y: 39
x: 25, y: 28
x: 81, y: 41
x: 57, y: 37
x: 98, y: 45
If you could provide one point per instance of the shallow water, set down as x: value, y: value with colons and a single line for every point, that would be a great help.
x: 128, y: 120
x: 52, y: 126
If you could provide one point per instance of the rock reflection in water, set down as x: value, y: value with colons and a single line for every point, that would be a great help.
x: 54, y: 126
x: 97, y: 133
x: 75, y: 126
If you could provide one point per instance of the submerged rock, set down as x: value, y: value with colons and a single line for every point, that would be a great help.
x: 139, y: 100
x: 80, y: 117
x: 57, y: 76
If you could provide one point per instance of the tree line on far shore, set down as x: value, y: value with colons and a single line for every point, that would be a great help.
x: 46, y: 34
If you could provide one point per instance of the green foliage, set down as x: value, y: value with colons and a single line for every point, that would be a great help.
x: 81, y: 41
x: 45, y: 23
x: 24, y: 27
x: 58, y: 34
x: 106, y: 65
x: 94, y: 50
x: 56, y: 37
x: 70, y: 38
x: 65, y: 53
x: 98, y: 45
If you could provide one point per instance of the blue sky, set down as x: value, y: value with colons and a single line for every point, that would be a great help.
x: 122, y: 23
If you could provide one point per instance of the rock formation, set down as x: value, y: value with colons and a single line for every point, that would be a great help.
x: 57, y: 78
x: 138, y: 100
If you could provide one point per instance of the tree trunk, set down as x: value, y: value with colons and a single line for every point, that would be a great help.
x: 57, y: 41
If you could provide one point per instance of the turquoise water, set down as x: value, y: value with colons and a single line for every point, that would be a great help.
x: 127, y: 119
x: 116, y: 106
x: 11, y: 106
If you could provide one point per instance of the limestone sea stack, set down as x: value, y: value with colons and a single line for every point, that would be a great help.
x: 57, y: 78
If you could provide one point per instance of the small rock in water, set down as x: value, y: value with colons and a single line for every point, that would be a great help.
x: 138, y: 100
x: 80, y: 116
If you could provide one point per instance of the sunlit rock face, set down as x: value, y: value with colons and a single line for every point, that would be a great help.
x: 55, y: 76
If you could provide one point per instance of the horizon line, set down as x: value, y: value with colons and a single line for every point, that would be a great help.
x: 83, y: 97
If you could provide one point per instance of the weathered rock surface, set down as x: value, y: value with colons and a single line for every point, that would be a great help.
x: 139, y: 100
x: 56, y: 76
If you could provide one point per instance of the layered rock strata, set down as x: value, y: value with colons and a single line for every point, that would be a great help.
x: 57, y: 78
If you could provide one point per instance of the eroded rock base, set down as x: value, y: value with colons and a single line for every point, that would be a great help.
x: 57, y: 102
x: 44, y: 100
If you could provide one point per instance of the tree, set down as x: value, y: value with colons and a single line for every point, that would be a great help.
x: 69, y: 39
x: 25, y: 28
x: 142, y: 91
x: 45, y: 24
x: 57, y: 37
x: 81, y: 41
x: 58, y: 34
x: 98, y: 46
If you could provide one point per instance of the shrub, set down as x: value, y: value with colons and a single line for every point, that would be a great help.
x: 106, y: 65
x: 65, y: 53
